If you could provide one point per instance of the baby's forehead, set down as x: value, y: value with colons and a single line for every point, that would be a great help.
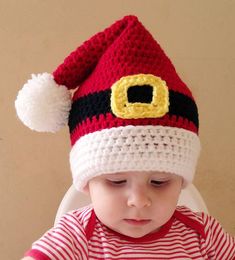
x: 140, y: 173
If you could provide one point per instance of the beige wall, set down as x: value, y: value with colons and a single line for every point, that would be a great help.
x: 36, y: 35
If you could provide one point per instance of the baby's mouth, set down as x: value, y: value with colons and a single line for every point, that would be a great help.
x: 137, y: 222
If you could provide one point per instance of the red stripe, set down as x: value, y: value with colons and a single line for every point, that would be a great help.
x: 48, y: 250
x: 230, y: 253
x: 62, y: 243
x: 90, y: 226
x: 77, y: 245
x: 218, y: 236
x: 220, y: 244
x: 36, y: 254
x: 51, y: 246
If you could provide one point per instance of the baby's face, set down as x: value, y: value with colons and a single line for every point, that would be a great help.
x: 135, y: 203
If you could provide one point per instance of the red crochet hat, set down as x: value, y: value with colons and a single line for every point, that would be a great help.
x: 130, y: 112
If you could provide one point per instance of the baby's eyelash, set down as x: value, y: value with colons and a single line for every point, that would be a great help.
x: 156, y: 183
x: 117, y: 182
x: 159, y: 183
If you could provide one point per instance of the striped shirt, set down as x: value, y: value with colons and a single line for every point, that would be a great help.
x: 187, y: 235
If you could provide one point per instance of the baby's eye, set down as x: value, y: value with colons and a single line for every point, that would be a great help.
x: 117, y: 182
x: 158, y: 183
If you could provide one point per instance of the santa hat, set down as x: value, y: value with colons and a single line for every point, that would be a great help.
x: 130, y: 111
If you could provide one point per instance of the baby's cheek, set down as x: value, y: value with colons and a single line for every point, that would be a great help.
x: 107, y: 206
x: 108, y: 215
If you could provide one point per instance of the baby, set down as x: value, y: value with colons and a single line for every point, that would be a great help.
x: 134, y: 134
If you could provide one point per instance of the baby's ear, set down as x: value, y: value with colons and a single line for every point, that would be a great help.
x: 182, y: 183
x: 86, y: 189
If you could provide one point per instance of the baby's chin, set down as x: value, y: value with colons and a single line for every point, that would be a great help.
x: 138, y: 234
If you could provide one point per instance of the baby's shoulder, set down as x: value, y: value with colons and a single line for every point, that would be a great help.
x: 199, y: 216
x: 200, y: 221
x: 213, y: 236
x: 77, y: 217
x: 189, y: 213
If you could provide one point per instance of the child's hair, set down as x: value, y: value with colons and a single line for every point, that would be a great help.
x: 130, y: 112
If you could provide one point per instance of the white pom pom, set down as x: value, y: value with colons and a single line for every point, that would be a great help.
x: 42, y: 104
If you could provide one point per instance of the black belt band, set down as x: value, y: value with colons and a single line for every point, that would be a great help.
x: 99, y: 103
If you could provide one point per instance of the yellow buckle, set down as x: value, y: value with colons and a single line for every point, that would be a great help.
x: 158, y: 107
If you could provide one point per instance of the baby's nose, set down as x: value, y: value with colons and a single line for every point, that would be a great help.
x: 138, y: 198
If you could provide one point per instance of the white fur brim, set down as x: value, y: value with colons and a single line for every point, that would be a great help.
x: 134, y: 148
